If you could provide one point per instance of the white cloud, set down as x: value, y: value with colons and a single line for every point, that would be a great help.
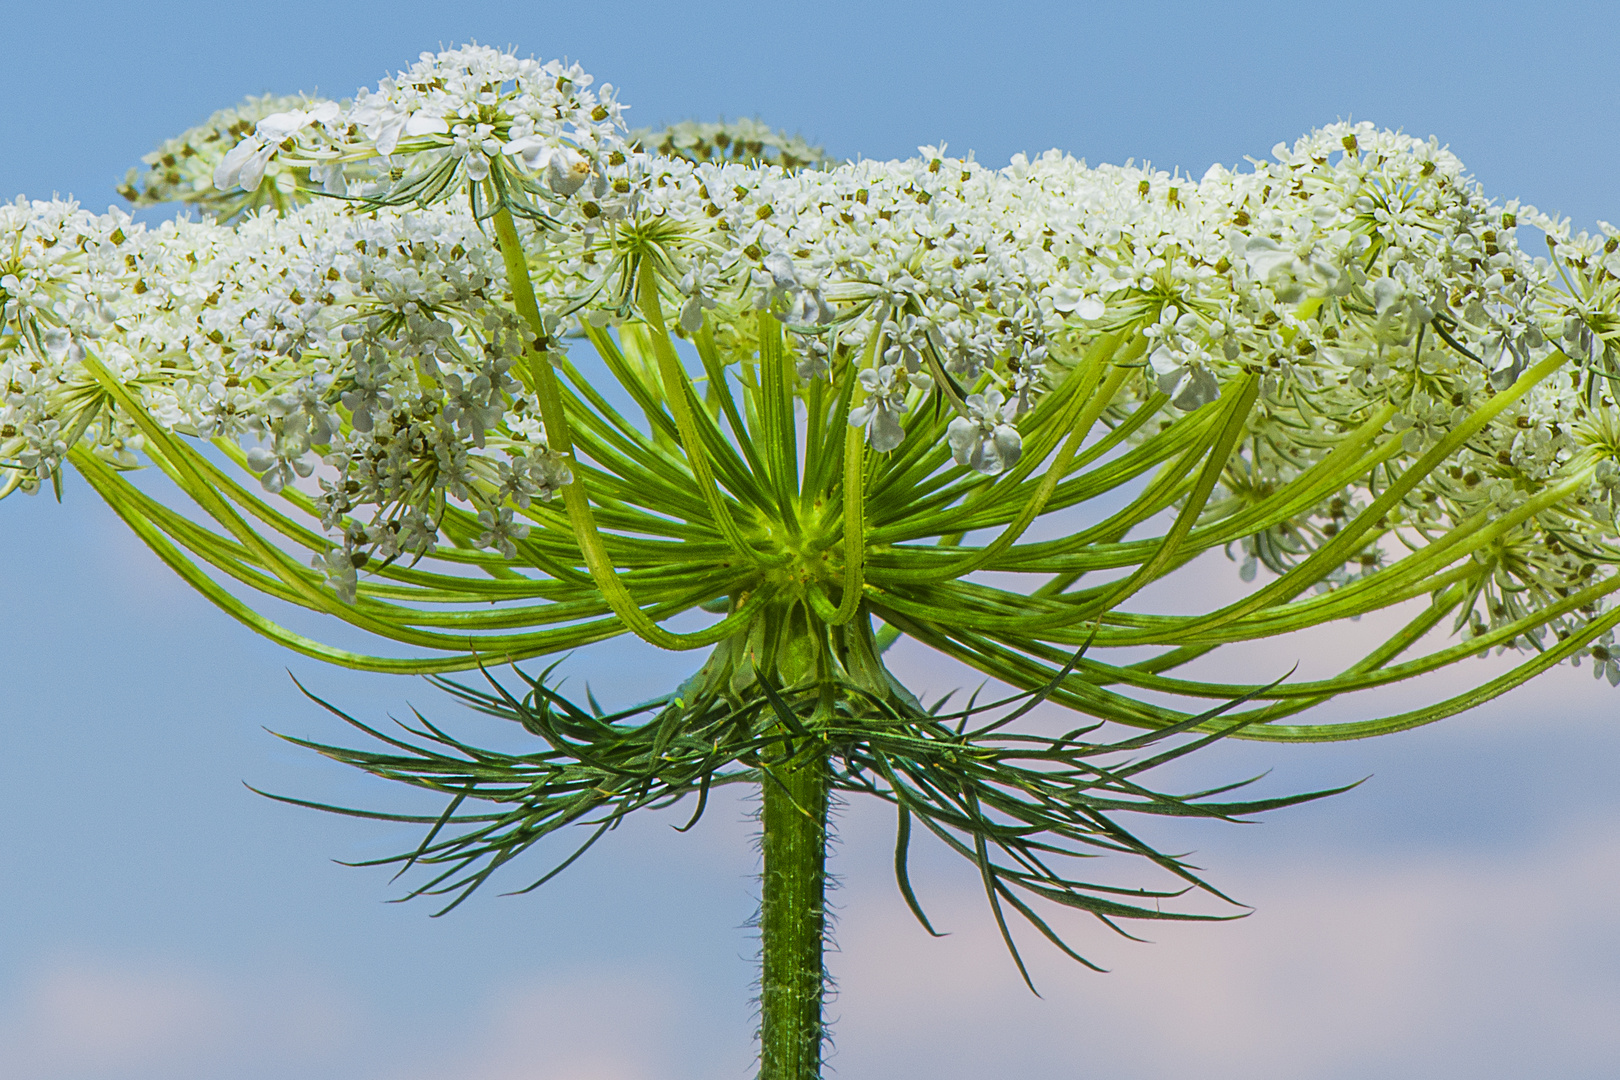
x: 89, y: 1017
x: 608, y: 1025
x: 86, y: 1019
x: 78, y: 1017
x: 1501, y: 966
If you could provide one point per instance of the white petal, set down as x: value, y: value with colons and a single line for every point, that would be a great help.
x: 1164, y: 362
x: 781, y: 269
x: 961, y: 434
x: 253, y: 168
x: 1385, y: 292
x: 534, y: 151
x: 422, y: 123
x: 228, y: 173
x: 567, y: 171
x: 885, y: 433
x: 326, y: 113
x: 278, y: 126
x: 385, y: 132
x: 1009, y: 445
x: 1265, y: 256
x: 1197, y: 389
x: 692, y: 314
x: 330, y: 176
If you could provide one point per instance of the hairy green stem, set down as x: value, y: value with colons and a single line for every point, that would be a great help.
x: 792, y: 919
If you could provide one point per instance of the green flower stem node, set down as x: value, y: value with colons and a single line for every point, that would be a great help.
x: 792, y: 918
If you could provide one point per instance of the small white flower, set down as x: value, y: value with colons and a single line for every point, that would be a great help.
x: 500, y: 531
x: 880, y: 414
x: 1605, y: 660
x: 696, y: 283
x: 337, y: 563
x: 566, y: 171
x: 983, y: 439
x: 243, y: 166
x: 1185, y: 378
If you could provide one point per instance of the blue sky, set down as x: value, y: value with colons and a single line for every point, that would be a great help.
x: 1453, y: 917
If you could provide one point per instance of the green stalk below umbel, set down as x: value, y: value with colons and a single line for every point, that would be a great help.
x: 792, y: 919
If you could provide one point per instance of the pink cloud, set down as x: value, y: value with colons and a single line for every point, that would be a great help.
x: 1486, y: 966
x: 90, y: 1017
x: 602, y: 1025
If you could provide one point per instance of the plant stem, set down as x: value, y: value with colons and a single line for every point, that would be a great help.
x: 792, y: 919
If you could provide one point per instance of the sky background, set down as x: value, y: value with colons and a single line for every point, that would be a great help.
x: 1453, y: 917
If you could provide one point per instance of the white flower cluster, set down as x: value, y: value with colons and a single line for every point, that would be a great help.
x: 745, y: 141
x: 919, y: 265
x: 377, y: 344
x: 182, y: 169
x: 1360, y: 277
x: 454, y: 116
